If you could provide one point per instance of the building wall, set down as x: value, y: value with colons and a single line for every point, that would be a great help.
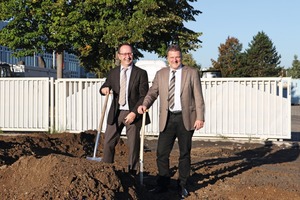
x: 71, y: 62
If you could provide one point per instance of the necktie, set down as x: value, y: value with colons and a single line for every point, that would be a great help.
x: 172, y: 90
x: 122, y: 98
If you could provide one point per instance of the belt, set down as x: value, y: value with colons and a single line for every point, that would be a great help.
x: 176, y: 112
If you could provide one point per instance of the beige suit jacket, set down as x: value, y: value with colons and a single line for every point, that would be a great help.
x: 191, y: 96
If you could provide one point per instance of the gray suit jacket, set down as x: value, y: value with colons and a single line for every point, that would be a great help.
x: 192, y: 101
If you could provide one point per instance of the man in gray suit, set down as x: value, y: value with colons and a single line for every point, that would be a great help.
x: 181, y: 113
x: 128, y: 94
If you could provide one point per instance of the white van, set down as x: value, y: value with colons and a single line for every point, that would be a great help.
x: 151, y: 66
x: 211, y: 74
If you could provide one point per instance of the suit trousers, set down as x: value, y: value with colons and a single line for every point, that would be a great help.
x: 174, y: 129
x: 112, y: 136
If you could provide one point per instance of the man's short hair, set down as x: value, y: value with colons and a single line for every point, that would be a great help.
x: 173, y: 47
x: 124, y: 44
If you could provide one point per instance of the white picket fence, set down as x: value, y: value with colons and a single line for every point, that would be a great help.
x: 26, y: 104
x: 235, y: 107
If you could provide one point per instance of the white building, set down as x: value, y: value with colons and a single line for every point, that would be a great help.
x: 72, y: 68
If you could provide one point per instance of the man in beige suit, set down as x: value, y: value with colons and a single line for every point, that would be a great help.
x: 181, y: 113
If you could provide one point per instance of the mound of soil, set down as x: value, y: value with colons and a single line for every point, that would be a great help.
x: 44, y: 166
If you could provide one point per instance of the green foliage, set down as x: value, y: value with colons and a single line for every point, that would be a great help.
x: 262, y: 57
x: 230, y: 58
x: 259, y: 60
x: 92, y: 29
x: 187, y: 59
x: 294, y: 71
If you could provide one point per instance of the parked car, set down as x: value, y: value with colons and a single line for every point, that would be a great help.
x: 211, y: 74
x: 5, y: 70
x: 151, y: 66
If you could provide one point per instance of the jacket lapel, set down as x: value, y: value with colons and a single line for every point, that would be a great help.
x: 132, y: 78
x: 117, y: 82
x: 183, y: 78
x: 166, y: 78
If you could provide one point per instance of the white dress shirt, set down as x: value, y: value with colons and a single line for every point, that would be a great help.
x: 128, y: 72
x: 177, y: 101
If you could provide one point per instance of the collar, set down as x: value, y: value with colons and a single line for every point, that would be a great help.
x: 128, y: 68
x: 179, y: 68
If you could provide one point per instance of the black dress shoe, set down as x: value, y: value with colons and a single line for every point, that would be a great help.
x: 132, y: 172
x: 159, y: 189
x: 183, y: 193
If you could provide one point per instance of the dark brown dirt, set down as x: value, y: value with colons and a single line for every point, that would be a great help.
x: 43, y: 166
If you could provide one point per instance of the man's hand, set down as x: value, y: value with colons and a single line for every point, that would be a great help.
x: 142, y: 109
x: 130, y: 118
x: 198, y: 124
x: 105, y: 90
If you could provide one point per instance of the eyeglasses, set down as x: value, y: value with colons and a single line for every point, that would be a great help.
x: 126, y: 54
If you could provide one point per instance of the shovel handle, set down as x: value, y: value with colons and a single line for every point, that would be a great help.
x: 100, y: 128
x: 103, y: 113
x: 142, y: 147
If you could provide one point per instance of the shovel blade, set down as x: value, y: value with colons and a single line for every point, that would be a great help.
x: 94, y: 159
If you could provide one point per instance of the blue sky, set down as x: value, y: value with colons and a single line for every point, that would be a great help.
x: 279, y: 19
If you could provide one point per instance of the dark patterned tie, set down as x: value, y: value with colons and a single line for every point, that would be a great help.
x: 172, y: 90
x: 122, y: 98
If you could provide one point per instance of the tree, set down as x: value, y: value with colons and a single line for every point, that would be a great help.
x: 92, y: 30
x: 188, y: 59
x: 229, y: 60
x: 34, y: 27
x: 262, y: 58
x: 294, y: 71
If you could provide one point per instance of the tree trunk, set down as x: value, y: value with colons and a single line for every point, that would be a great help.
x: 59, y: 64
